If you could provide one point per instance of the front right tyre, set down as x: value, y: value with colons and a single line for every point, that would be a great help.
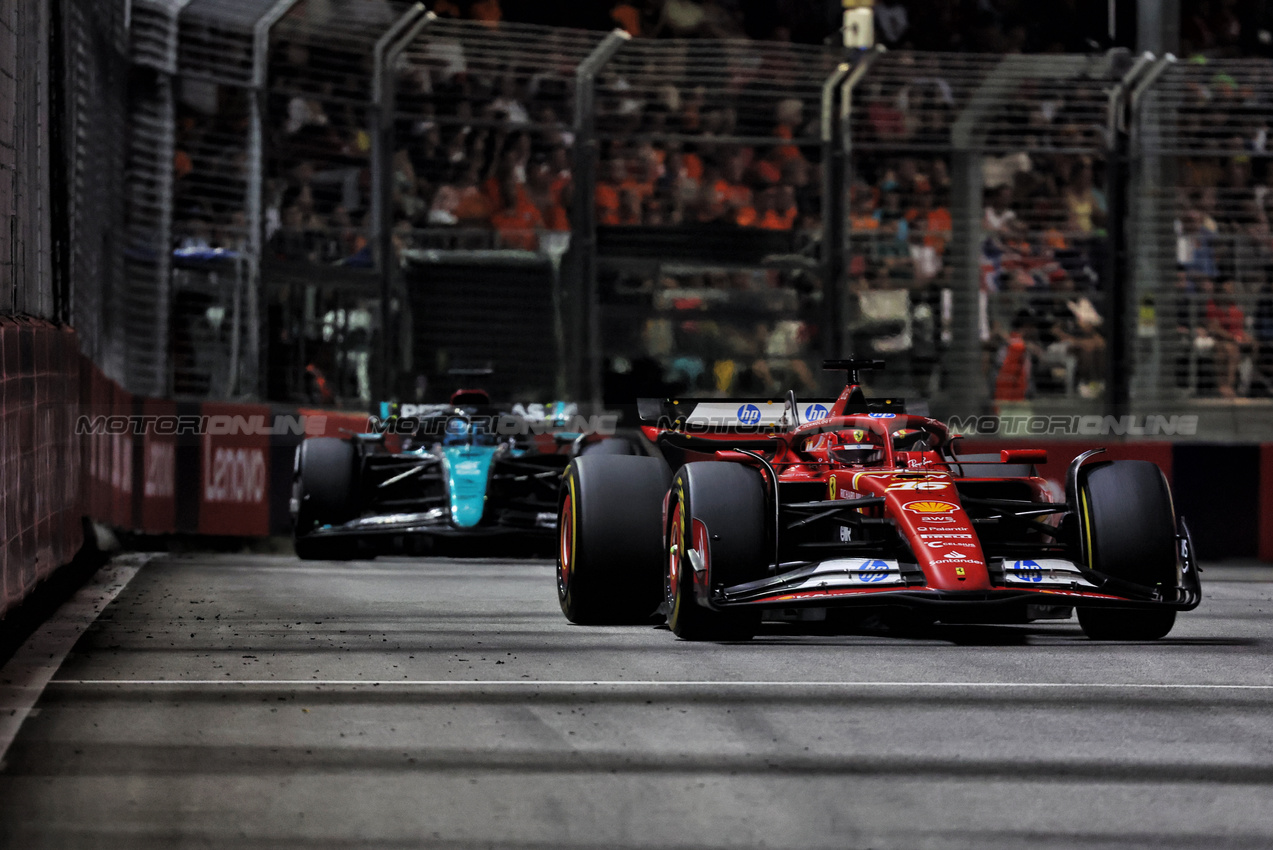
x: 717, y: 510
x: 610, y: 538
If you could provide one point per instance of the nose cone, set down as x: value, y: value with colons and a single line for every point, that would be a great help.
x: 467, y: 471
x: 941, y: 533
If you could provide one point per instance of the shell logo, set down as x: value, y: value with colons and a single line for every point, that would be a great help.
x: 930, y: 507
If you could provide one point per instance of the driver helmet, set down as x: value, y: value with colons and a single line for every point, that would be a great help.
x: 856, y: 447
x: 457, y: 431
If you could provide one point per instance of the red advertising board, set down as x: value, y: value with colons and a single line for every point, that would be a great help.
x: 234, y: 481
x: 158, y: 447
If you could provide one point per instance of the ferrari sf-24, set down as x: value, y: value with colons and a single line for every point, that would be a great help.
x: 787, y: 510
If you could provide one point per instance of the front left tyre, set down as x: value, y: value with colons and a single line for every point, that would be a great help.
x: 610, y: 539
x: 1129, y: 527
x: 326, y: 474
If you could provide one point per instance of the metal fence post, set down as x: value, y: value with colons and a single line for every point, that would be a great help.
x: 1123, y: 300
x: 384, y: 88
x: 833, y: 217
x: 841, y: 236
x: 256, y: 189
x: 584, y: 214
x: 1144, y: 181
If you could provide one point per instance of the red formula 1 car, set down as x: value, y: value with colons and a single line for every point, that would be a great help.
x: 820, y: 510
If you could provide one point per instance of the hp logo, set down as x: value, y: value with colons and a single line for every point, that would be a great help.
x: 874, y: 570
x: 749, y: 414
x: 814, y: 412
x: 1028, y: 571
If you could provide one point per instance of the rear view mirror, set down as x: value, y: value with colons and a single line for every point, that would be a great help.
x: 1024, y: 455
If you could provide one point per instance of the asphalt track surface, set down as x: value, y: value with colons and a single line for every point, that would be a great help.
x: 259, y: 702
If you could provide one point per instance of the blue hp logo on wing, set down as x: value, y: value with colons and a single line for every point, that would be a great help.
x: 1028, y: 571
x: 814, y: 412
x: 749, y: 414
x: 873, y: 570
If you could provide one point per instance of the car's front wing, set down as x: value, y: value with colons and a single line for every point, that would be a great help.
x: 437, y: 522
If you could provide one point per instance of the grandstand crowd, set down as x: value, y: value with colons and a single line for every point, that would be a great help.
x: 486, y: 158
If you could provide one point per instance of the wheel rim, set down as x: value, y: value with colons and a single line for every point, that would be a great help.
x: 566, y: 545
x: 675, y: 538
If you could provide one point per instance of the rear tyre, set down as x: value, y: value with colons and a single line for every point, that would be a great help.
x: 610, y: 539
x: 326, y: 472
x: 1130, y: 528
x: 717, y: 509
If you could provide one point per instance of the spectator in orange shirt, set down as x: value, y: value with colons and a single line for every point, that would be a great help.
x: 641, y: 179
x: 540, y: 190
x: 783, y: 216
x: 517, y: 219
x: 615, y: 173
x: 710, y: 205
x: 559, y: 168
x: 862, y: 215
x: 730, y: 191
x: 936, y: 220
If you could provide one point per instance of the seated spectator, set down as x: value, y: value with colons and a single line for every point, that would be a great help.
x: 730, y: 191
x: 545, y: 194
x: 614, y: 173
x: 630, y: 207
x: 517, y: 219
x: 1085, y: 202
x: 925, y: 259
x: 507, y: 105
x: 446, y: 200
x: 765, y: 214
x: 1195, y: 244
x: 936, y: 219
x: 892, y: 220
x: 862, y: 217
x: 1226, y: 323
x: 475, y: 206
x: 999, y: 212
x: 1079, y: 328
x: 784, y: 213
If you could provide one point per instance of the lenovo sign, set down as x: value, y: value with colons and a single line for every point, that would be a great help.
x: 234, y: 481
x: 234, y: 475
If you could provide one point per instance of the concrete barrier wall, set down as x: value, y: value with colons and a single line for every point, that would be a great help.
x: 41, y: 463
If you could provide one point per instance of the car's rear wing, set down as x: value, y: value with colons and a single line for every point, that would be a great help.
x: 747, y: 414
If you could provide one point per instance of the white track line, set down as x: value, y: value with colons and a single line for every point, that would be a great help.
x: 31, y: 668
x: 601, y: 683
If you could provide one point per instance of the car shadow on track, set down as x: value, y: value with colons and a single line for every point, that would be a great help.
x: 972, y: 636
